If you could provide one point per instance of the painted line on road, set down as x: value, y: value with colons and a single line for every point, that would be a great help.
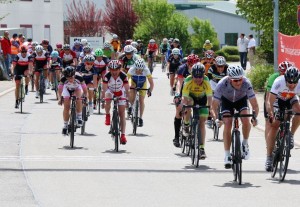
x: 7, y: 91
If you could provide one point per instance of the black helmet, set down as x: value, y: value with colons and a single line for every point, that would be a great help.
x: 198, y: 70
x: 291, y: 75
x: 69, y: 71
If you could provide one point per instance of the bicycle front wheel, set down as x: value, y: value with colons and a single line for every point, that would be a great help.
x: 84, y: 119
x: 116, y: 129
x: 99, y: 98
x: 276, y: 154
x: 237, y: 157
x: 72, y: 126
x: 197, y: 143
x: 135, y: 117
x: 21, y: 97
x: 42, y: 88
x: 285, y: 156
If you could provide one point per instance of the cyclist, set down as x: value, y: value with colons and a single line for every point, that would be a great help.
x: 152, y: 51
x: 88, y: 72
x: 197, y: 90
x: 164, y: 48
x: 208, y: 60
x: 128, y: 58
x: 55, y: 67
x: 184, y: 71
x: 71, y: 84
x: 175, y: 44
x: 138, y: 75
x: 174, y: 62
x: 207, y: 46
x: 32, y: 49
x: 115, y: 83
x: 84, y: 43
x: 116, y: 45
x: 283, y: 94
x: 41, y: 60
x: 87, y: 50
x: 140, y: 48
x: 233, y: 92
x: 77, y: 48
x: 20, y: 67
x: 59, y: 47
x: 215, y: 73
x: 281, y: 70
x: 68, y: 56
x: 108, y: 51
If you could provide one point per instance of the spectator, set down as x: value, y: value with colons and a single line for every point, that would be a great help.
x: 242, y: 44
x: 6, y: 48
x: 251, y: 50
x: 15, y: 44
x: 21, y: 39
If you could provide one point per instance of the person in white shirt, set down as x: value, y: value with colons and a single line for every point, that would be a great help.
x: 251, y: 50
x: 242, y: 44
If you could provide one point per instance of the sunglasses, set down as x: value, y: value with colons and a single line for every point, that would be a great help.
x: 128, y: 53
x: 237, y: 80
x: 24, y: 52
x: 87, y: 63
x: 291, y: 82
x: 220, y: 66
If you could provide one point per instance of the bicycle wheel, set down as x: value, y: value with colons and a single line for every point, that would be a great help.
x: 216, y: 129
x: 99, y: 98
x: 135, y: 116
x: 151, y: 65
x: 237, y: 159
x: 84, y: 119
x: 116, y: 129
x: 55, y: 85
x: 285, y: 156
x: 32, y: 82
x: 42, y: 85
x: 276, y: 154
x: 72, y: 126
x: 197, y: 143
x: 182, y: 139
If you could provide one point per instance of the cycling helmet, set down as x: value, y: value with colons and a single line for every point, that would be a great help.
x: 134, y: 44
x: 114, y: 64
x: 76, y: 43
x: 175, y: 51
x: 135, y: 50
x: 140, y: 64
x: 128, y: 49
x: 191, y: 59
x: 54, y: 54
x: 283, y: 66
x: 171, y: 40
x: 184, y: 60
x: 23, y: 49
x: 34, y: 44
x: 207, y: 41
x: 115, y: 36
x: 84, y: 42
x: 69, y: 71
x: 89, y: 58
x: 151, y: 41
x: 220, y: 60
x: 39, y: 48
x: 58, y: 45
x: 165, y: 40
x: 45, y: 42
x: 107, y: 45
x: 198, y: 70
x: 176, y: 40
x: 196, y: 59
x: 235, y: 72
x: 128, y: 42
x: 291, y: 74
x: 87, y: 48
x: 139, y: 41
x: 66, y: 47
x: 209, y: 54
x: 98, y: 52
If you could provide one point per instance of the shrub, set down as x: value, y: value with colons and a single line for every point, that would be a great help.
x: 221, y: 53
x: 231, y: 50
x: 259, y: 74
x: 233, y: 58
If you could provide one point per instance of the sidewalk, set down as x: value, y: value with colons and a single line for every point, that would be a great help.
x: 6, y: 87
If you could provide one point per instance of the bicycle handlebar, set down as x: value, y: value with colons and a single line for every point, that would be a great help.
x: 195, y: 106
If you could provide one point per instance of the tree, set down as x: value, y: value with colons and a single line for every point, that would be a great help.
x: 260, y: 13
x: 83, y: 19
x: 120, y: 18
x: 203, y: 30
x: 158, y: 19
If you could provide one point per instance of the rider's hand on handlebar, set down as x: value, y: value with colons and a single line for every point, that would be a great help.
x: 149, y: 93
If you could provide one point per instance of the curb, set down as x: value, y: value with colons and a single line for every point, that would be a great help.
x: 7, y: 91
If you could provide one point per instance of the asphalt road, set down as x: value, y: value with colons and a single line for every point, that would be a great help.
x: 38, y: 168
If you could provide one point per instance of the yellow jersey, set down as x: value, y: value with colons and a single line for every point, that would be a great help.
x: 193, y: 90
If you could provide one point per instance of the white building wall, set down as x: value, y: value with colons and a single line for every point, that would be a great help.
x: 37, y: 13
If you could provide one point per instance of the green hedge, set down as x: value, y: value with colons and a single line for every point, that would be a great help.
x: 233, y: 58
x: 231, y: 50
x: 259, y: 74
x: 221, y: 53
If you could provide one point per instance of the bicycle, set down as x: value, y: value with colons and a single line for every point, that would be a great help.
x: 150, y: 62
x: 55, y: 81
x: 98, y: 98
x: 281, y: 152
x: 135, y: 109
x: 216, y: 127
x: 236, y: 153
x: 32, y: 81
x: 21, y: 95
x: 85, y: 115
x: 194, y: 138
x: 164, y: 62
x: 42, y: 85
x: 115, y: 121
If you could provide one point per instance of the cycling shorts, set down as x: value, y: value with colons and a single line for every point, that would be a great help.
x: 228, y: 106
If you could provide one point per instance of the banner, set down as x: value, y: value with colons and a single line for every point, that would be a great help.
x: 289, y: 49
x: 95, y: 42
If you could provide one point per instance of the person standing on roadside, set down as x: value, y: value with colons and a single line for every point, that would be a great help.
x: 6, y: 49
x: 251, y: 50
x: 242, y: 44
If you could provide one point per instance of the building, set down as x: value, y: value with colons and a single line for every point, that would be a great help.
x: 40, y: 19
x: 221, y: 14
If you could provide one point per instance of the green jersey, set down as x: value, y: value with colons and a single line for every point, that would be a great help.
x: 271, y: 80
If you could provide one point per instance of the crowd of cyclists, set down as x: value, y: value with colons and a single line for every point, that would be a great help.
x: 205, y: 80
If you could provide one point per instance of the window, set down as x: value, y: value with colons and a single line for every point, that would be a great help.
x: 28, y: 30
x: 3, y: 25
x: 47, y: 32
x: 231, y: 38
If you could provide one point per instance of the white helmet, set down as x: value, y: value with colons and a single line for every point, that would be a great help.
x: 207, y: 41
x: 220, y: 60
x: 89, y: 58
x: 176, y: 51
x: 107, y: 45
x: 140, y: 64
x: 128, y: 49
x: 152, y: 41
x: 84, y: 42
x: 115, y: 36
x: 235, y: 72
x: 134, y: 44
x: 39, y: 48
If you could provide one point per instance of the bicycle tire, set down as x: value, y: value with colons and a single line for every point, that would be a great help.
x: 42, y: 82
x: 197, y: 143
x: 116, y: 129
x: 276, y: 154
x: 99, y: 98
x: 237, y: 161
x: 285, y: 156
x: 84, y: 119
x: 21, y: 96
x: 55, y: 85
x: 32, y: 82
x: 72, y: 127
x: 216, y: 131
x: 135, y: 117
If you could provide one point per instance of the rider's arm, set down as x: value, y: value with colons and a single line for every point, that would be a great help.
x: 214, y: 107
x: 150, y: 79
x: 269, y: 104
x: 254, y: 104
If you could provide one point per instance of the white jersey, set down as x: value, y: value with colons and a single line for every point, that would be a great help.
x: 280, y: 89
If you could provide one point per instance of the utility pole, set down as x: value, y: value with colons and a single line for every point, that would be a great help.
x: 276, y: 30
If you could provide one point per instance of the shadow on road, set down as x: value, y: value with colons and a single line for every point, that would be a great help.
x: 88, y: 135
x: 140, y: 135
x: 234, y: 184
x: 200, y: 168
x: 74, y: 148
x: 112, y: 151
x: 25, y: 113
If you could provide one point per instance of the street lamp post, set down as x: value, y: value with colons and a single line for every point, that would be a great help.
x: 276, y: 30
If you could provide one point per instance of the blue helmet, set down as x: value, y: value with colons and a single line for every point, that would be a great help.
x: 54, y: 54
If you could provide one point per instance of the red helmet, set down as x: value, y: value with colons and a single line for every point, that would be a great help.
x: 283, y: 66
x: 45, y: 42
x: 58, y: 45
x: 128, y: 42
x: 23, y: 48
x: 191, y: 59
